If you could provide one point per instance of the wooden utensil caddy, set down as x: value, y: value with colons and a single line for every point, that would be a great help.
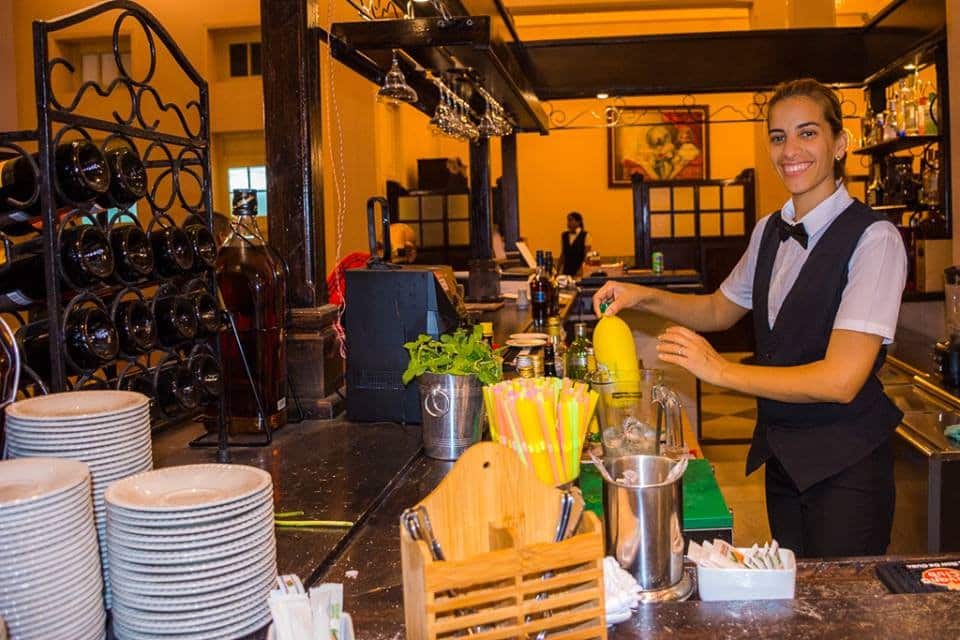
x: 502, y: 578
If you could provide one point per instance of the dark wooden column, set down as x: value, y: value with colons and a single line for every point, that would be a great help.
x: 510, y: 192
x: 641, y: 222
x: 291, y: 100
x: 481, y: 234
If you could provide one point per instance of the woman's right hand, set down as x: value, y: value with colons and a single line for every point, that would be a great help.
x: 619, y: 296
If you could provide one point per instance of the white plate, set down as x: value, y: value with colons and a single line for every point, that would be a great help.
x: 526, y: 343
x: 241, y: 589
x: 530, y: 336
x: 14, y: 519
x: 191, y: 541
x: 205, y: 554
x: 152, y: 582
x: 195, y: 589
x: 38, y: 585
x: 189, y: 487
x: 199, y: 532
x: 173, y: 519
x: 29, y: 481
x: 79, y: 441
x: 191, y: 621
x: 63, y: 534
x: 106, y: 456
x: 232, y: 534
x: 29, y: 563
x: 77, y: 606
x: 87, y: 432
x: 76, y: 405
x: 240, y: 627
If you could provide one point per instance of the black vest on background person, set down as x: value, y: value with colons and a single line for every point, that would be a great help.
x: 814, y: 441
x: 573, y: 254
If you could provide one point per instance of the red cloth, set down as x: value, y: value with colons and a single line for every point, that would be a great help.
x: 336, y: 284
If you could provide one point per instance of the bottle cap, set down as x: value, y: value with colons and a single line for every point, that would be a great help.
x: 244, y: 202
x: 603, y: 306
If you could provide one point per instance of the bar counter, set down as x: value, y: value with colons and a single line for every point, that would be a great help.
x: 368, y: 473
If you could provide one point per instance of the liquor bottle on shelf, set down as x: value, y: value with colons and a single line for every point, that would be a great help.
x: 549, y: 361
x: 172, y: 252
x: 136, y: 328
x: 80, y: 172
x: 132, y: 252
x: 252, y: 280
x: 578, y: 355
x: 540, y: 293
x: 866, y: 126
x: 202, y: 243
x: 175, y: 318
x: 908, y: 107
x: 206, y: 372
x: 128, y: 176
x: 89, y: 338
x: 204, y: 306
x: 554, y: 287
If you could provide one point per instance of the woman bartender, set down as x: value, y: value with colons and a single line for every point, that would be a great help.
x: 824, y: 276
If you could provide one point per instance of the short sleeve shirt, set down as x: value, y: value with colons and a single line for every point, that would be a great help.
x: 877, y: 271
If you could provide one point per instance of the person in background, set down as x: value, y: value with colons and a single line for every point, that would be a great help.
x: 575, y: 244
x: 403, y: 243
x: 824, y: 276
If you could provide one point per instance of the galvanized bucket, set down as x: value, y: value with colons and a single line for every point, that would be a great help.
x: 643, y: 522
x: 451, y: 414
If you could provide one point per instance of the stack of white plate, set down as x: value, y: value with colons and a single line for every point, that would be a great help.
x: 50, y: 584
x: 192, y: 552
x: 109, y: 430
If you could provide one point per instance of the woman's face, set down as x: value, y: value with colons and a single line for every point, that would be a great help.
x: 803, y: 148
x: 572, y: 224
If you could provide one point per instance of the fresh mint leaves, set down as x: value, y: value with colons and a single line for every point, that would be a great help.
x: 463, y: 353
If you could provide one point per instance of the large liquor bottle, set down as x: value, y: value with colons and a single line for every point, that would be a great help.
x: 252, y: 281
x: 82, y: 175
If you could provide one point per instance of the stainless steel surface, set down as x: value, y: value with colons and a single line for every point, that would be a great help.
x: 452, y: 414
x: 643, y: 523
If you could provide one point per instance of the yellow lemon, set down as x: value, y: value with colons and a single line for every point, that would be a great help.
x: 614, y: 348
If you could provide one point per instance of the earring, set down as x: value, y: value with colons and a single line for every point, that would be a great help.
x: 839, y: 157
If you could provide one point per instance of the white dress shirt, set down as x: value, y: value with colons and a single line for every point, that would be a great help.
x: 877, y: 271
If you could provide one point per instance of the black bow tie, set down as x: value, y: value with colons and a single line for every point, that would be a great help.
x: 798, y: 231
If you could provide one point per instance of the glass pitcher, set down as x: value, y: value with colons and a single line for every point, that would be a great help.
x: 635, y: 413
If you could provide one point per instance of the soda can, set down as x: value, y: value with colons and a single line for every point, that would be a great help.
x: 656, y: 261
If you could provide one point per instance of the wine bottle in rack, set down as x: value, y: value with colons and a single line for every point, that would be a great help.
x: 176, y: 389
x: 89, y: 337
x: 206, y: 372
x: 205, y: 307
x: 81, y: 172
x: 128, y: 176
x: 85, y: 260
x: 172, y: 252
x: 175, y: 318
x: 86, y: 257
x: 136, y: 328
x: 132, y: 252
x: 202, y: 243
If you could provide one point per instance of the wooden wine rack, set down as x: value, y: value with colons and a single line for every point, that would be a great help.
x: 174, y: 142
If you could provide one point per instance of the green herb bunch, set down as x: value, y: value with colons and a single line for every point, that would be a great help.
x: 462, y: 354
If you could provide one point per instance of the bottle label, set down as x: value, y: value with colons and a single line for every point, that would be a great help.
x: 539, y: 296
x: 19, y: 216
x: 281, y: 404
x: 18, y: 298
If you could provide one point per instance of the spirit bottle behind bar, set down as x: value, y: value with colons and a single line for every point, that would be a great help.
x: 252, y: 280
x: 578, y: 355
x: 540, y: 293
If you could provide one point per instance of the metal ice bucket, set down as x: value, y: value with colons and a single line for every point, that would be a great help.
x: 643, y: 523
x: 451, y: 414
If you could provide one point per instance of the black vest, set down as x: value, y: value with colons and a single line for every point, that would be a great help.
x: 573, y: 254
x: 814, y: 441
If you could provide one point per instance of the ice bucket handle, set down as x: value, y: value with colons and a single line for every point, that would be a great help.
x: 437, y: 408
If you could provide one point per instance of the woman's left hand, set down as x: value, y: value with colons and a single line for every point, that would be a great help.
x: 690, y: 350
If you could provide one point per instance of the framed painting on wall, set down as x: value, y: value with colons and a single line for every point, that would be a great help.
x: 660, y: 143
